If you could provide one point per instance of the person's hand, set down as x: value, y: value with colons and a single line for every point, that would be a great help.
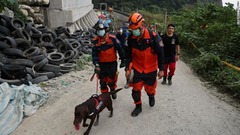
x: 176, y: 57
x: 127, y: 74
x: 97, y: 69
x: 122, y: 64
x: 160, y: 74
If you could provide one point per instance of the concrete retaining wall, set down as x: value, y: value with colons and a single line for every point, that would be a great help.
x: 69, y: 12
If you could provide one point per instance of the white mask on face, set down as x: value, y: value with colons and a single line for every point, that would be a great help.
x: 121, y: 31
x: 136, y: 32
x: 101, y: 33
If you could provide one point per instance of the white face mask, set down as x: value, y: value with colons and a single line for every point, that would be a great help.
x: 136, y: 32
x: 101, y: 33
x: 120, y: 31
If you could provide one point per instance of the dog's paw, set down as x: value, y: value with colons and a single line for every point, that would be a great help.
x: 85, y: 125
x: 110, y: 115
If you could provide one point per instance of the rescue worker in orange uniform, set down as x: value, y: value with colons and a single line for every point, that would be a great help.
x: 145, y: 55
x: 104, y: 55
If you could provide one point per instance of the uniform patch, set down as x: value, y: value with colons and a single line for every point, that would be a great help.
x: 161, y: 43
x: 173, y: 41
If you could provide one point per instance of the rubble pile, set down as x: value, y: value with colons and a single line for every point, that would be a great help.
x: 36, y: 53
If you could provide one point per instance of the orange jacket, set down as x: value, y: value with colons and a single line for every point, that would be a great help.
x: 104, y: 49
x: 145, y: 54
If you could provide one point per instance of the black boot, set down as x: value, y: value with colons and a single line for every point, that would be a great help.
x: 114, y: 96
x: 164, y: 80
x: 137, y: 110
x: 151, y: 100
x: 169, y: 80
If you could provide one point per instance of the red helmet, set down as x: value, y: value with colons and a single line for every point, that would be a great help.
x: 135, y: 21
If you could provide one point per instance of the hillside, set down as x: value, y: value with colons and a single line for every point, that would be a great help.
x: 154, y: 5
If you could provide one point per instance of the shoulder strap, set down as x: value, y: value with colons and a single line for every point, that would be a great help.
x: 152, y: 41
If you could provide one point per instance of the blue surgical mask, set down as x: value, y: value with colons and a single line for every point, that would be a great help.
x: 136, y: 32
x: 101, y: 33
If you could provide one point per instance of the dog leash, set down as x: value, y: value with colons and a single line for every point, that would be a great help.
x: 96, y: 84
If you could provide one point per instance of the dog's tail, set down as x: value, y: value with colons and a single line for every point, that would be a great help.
x: 115, y: 91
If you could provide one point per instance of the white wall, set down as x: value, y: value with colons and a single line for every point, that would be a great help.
x: 61, y: 12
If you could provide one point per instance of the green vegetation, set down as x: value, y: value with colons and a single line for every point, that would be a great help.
x: 154, y: 6
x: 83, y: 62
x: 214, y: 31
x: 12, y: 5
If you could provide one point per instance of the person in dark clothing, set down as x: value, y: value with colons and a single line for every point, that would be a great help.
x: 121, y: 37
x: 144, y: 55
x: 171, y: 53
x: 104, y: 55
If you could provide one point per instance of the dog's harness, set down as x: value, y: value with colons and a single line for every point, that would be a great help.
x: 98, y: 104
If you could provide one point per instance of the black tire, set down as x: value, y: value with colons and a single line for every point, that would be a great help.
x: 43, y: 29
x: 4, y: 59
x: 38, y: 58
x: 36, y: 33
x: 5, y: 21
x: 14, y: 82
x: 76, y: 54
x: 28, y: 27
x: 54, y: 35
x: 46, y: 38
x: 51, y: 50
x: 17, y: 23
x: 73, y: 36
x: 21, y: 33
x: 3, y: 45
x: 62, y: 48
x: 4, y: 31
x: 40, y: 64
x: 39, y: 79
x: 50, y: 75
x: 9, y: 40
x: 58, y: 74
x: 72, y: 61
x: 67, y: 44
x: 65, y: 71
x: 58, y: 41
x: 33, y: 51
x: 67, y: 66
x: 76, y: 45
x: 22, y: 44
x: 55, y: 58
x: 68, y: 55
x: 86, y: 42
x: 60, y: 30
x: 31, y: 72
x: 13, y: 52
x: 12, y: 71
x: 51, y: 68
x: 23, y: 62
x: 86, y: 34
x: 78, y: 32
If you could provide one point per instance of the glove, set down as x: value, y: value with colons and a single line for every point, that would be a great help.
x: 122, y: 64
x: 97, y: 69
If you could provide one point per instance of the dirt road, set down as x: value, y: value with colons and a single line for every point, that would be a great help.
x: 185, y: 108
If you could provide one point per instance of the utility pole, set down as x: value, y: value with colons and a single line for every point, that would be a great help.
x: 238, y: 14
x: 165, y: 23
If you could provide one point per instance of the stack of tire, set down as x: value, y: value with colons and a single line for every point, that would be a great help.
x: 36, y: 54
